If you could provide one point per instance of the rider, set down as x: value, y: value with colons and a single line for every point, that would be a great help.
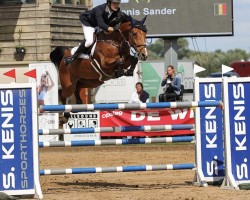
x: 100, y: 16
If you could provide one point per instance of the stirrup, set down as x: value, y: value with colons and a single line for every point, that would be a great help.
x: 69, y: 60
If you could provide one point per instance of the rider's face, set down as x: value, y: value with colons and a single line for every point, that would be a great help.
x: 114, y: 6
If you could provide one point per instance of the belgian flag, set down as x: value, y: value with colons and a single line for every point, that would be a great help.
x: 220, y: 9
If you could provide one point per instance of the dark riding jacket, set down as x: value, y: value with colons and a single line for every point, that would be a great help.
x: 144, y: 96
x: 98, y: 17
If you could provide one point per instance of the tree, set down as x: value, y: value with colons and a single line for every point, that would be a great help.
x: 158, y: 48
x: 183, y: 51
x: 212, y: 61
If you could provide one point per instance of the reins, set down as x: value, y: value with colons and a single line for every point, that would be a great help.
x: 131, y: 43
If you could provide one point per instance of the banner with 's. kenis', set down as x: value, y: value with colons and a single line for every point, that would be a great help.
x: 18, y: 157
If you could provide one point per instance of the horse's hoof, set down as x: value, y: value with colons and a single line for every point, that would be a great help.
x: 66, y: 115
x: 63, y: 120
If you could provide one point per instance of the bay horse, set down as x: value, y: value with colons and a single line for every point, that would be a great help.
x: 110, y: 58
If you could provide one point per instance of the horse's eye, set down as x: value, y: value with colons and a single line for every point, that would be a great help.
x: 134, y: 34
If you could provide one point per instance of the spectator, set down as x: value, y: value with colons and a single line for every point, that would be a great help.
x: 140, y: 96
x: 173, y: 85
x: 46, y: 83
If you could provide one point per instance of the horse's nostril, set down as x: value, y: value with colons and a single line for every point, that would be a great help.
x: 143, y: 56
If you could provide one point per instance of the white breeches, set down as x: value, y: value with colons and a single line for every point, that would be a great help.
x: 88, y: 34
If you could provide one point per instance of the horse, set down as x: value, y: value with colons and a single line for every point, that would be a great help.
x: 110, y: 58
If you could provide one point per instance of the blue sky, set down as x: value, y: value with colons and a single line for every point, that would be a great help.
x: 241, y: 38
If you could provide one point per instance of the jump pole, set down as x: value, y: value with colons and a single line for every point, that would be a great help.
x: 116, y: 129
x: 90, y: 170
x: 127, y: 106
x: 117, y: 141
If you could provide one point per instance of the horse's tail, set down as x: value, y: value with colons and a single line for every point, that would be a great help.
x: 57, y: 54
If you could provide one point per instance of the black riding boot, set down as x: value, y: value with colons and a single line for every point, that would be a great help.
x: 81, y: 49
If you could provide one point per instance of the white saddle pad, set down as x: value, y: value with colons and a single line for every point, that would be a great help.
x: 83, y: 56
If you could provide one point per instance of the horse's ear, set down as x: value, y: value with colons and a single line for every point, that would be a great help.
x: 144, y: 19
x: 131, y: 19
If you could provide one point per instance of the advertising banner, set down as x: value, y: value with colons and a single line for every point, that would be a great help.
x: 237, y: 129
x: 47, y: 93
x: 209, y: 131
x: 117, y: 90
x: 83, y: 120
x: 147, y: 117
x: 19, y: 173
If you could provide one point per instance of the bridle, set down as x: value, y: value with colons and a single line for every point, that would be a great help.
x: 133, y: 42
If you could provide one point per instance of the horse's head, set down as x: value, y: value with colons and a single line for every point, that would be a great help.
x: 136, y: 35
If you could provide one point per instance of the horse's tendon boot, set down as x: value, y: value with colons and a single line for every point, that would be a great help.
x: 119, y: 71
x: 129, y: 72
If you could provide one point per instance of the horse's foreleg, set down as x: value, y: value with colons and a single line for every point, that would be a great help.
x: 133, y: 62
x: 119, y: 69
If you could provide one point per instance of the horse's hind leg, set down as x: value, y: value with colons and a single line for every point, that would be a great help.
x: 67, y: 91
x: 77, y: 97
x: 61, y: 97
x: 63, y: 94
